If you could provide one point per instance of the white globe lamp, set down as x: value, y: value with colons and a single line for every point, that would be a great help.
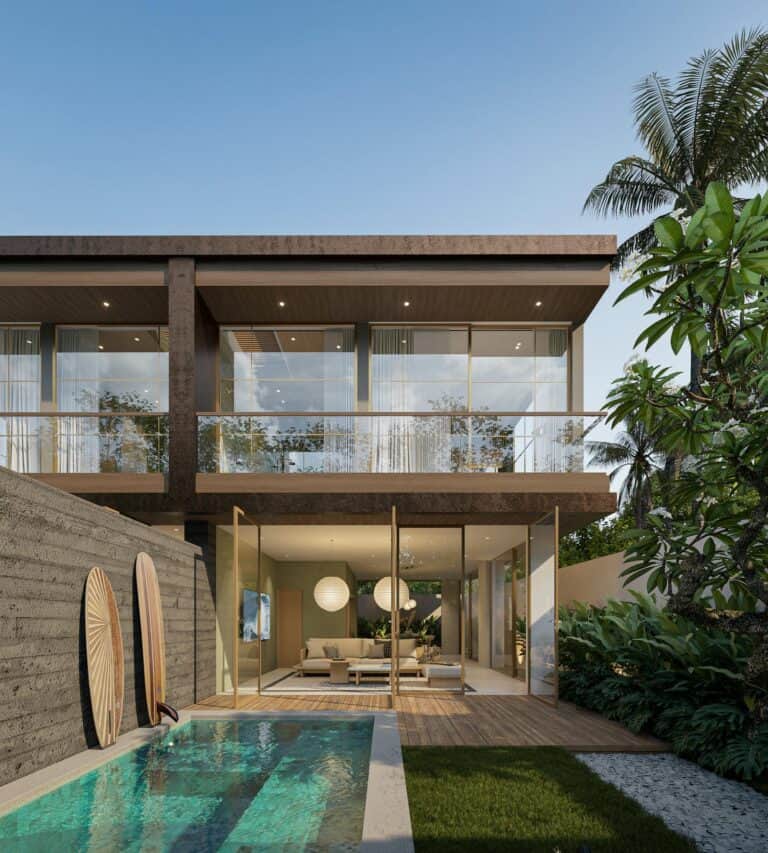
x: 382, y: 593
x: 331, y: 594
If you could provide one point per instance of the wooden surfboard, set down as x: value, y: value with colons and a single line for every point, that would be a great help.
x: 152, y: 635
x: 104, y: 653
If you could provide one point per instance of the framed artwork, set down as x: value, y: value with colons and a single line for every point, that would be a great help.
x: 252, y: 601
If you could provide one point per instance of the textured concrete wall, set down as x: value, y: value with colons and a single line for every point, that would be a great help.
x: 49, y: 540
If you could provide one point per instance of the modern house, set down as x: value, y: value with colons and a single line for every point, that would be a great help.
x: 329, y: 419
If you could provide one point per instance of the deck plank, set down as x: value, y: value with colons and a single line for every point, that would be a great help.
x: 471, y: 720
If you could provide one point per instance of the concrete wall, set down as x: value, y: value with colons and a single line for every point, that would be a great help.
x: 595, y: 581
x: 49, y: 540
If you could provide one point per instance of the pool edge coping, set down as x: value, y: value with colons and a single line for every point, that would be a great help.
x: 386, y: 820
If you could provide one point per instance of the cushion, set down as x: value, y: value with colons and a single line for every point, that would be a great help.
x: 331, y: 651
x: 315, y: 648
x: 376, y: 650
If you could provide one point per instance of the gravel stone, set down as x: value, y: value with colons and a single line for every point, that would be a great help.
x: 719, y: 815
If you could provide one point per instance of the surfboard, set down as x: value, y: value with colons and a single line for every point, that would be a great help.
x: 104, y: 655
x: 152, y: 635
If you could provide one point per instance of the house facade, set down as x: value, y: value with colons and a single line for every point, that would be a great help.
x: 335, y: 421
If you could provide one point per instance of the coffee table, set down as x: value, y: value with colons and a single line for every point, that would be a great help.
x: 339, y: 672
x: 380, y: 670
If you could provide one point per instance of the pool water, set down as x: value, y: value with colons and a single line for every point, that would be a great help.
x: 294, y: 784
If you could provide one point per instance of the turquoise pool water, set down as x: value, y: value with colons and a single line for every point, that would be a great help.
x: 294, y: 784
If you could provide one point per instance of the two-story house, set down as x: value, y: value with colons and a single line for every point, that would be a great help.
x: 378, y: 435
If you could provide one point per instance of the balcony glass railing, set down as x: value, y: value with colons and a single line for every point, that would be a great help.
x: 84, y: 443
x: 409, y: 443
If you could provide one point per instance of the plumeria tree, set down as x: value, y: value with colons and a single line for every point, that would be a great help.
x: 708, y: 281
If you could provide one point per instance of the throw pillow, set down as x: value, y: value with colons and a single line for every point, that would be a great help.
x: 376, y: 651
x: 331, y: 651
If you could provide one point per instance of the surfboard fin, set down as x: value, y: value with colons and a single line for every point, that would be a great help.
x: 169, y: 711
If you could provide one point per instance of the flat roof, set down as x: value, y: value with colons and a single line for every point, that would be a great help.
x: 402, y: 245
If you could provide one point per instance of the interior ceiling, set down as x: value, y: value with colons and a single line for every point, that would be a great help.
x: 425, y: 552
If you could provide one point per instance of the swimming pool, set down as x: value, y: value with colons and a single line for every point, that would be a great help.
x: 294, y: 784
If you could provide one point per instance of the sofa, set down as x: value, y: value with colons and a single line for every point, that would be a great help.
x: 356, y: 650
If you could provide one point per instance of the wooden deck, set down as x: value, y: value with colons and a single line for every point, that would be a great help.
x: 470, y: 720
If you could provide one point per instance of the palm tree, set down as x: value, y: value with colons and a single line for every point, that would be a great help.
x: 634, y: 451
x: 712, y: 125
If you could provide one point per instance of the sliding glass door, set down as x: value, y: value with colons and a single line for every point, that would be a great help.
x: 542, y: 606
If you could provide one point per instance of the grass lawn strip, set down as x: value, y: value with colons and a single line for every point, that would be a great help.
x: 526, y: 799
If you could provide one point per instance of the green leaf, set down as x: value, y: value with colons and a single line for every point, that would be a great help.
x: 717, y: 199
x: 718, y: 227
x: 669, y: 233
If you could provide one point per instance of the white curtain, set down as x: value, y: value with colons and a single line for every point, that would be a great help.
x: 390, y: 436
x: 20, y: 392
x: 77, y: 391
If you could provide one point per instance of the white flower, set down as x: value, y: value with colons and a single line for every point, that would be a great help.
x: 662, y: 512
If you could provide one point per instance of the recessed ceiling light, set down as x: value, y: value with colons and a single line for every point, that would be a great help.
x: 338, y: 346
x: 538, y: 304
x: 293, y: 339
x: 136, y: 339
x: 101, y: 346
x: 406, y: 303
x: 277, y: 390
x: 281, y: 303
x: 29, y: 341
x: 105, y: 304
x: 403, y: 342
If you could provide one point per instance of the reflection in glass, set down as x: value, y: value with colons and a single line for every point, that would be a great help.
x: 117, y: 369
x: 519, y: 370
x: 542, y: 585
x: 419, y: 369
x: 292, y: 370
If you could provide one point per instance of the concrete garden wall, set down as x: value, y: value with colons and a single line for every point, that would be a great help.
x: 49, y: 540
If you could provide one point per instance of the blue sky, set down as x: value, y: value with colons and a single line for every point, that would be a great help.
x: 335, y: 117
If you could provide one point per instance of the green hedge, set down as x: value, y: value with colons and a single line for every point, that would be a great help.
x: 659, y: 673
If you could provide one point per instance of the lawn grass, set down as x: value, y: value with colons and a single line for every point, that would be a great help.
x: 519, y: 799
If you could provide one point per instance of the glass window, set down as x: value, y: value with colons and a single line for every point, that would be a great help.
x: 290, y: 370
x: 118, y: 369
x: 419, y: 369
x: 519, y: 370
x: 19, y: 369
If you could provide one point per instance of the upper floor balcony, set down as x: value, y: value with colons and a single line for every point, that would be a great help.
x: 269, y: 443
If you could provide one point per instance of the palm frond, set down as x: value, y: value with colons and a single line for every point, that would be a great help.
x: 657, y: 126
x: 695, y: 89
x: 640, y: 242
x: 631, y: 187
x: 741, y: 71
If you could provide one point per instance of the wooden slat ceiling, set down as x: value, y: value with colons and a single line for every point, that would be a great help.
x: 459, y: 303
x: 127, y: 304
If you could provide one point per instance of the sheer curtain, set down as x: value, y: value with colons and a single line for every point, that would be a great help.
x: 77, y: 383
x: 391, y: 435
x: 20, y: 392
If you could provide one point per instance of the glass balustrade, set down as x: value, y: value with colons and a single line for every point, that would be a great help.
x: 83, y: 443
x: 399, y: 444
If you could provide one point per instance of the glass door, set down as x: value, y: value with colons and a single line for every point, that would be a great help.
x: 248, y: 608
x: 542, y: 607
x: 427, y: 608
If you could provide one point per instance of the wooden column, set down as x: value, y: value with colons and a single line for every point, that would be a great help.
x: 182, y: 449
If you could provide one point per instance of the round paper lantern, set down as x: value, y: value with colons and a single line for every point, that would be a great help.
x: 331, y: 594
x: 382, y: 593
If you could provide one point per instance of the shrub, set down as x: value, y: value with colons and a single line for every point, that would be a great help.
x: 660, y: 673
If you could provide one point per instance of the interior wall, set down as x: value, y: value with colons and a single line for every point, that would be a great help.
x: 304, y: 576
x: 449, y: 617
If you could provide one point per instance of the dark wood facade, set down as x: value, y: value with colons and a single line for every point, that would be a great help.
x: 193, y: 284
